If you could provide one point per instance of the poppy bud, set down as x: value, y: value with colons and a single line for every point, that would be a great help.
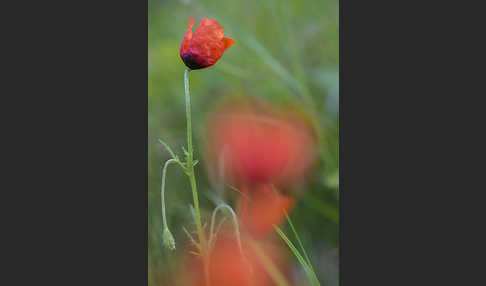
x: 168, y: 239
x: 203, y: 48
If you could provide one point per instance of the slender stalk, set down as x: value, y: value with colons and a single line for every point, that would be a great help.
x: 235, y: 224
x: 190, y: 164
x: 308, y: 269
x: 192, y: 179
x: 162, y: 190
x: 188, y: 114
x: 167, y: 238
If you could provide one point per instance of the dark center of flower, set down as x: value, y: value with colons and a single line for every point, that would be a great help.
x: 193, y: 61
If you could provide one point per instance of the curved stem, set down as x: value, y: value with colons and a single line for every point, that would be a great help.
x: 167, y: 237
x: 162, y: 190
x: 235, y: 222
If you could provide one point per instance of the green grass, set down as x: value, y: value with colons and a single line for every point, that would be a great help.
x: 309, y: 270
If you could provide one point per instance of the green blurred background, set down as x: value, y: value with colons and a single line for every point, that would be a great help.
x: 285, y: 50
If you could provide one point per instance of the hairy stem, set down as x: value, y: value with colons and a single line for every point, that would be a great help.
x: 192, y: 179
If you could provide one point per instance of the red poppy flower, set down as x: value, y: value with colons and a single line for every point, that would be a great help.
x: 259, y: 145
x: 204, y: 48
x: 262, y: 208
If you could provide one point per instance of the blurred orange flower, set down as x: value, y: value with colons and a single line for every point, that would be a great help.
x: 204, y: 48
x: 229, y: 267
x: 261, y: 209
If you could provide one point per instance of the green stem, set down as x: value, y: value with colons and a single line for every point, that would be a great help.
x: 190, y: 164
x: 188, y: 115
x: 235, y: 224
x: 192, y: 179
x: 162, y: 190
x: 167, y: 237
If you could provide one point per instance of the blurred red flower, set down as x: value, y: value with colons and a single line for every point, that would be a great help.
x: 262, y: 208
x: 260, y: 145
x: 204, y: 48
x: 229, y: 267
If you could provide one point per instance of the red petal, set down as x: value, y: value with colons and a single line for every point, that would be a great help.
x: 228, y: 43
x: 266, y: 209
x: 187, y: 37
x: 207, y: 44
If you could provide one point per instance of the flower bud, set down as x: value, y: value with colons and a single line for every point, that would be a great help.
x: 206, y: 46
x: 167, y: 239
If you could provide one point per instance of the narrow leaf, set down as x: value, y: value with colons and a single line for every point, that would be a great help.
x: 167, y: 147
